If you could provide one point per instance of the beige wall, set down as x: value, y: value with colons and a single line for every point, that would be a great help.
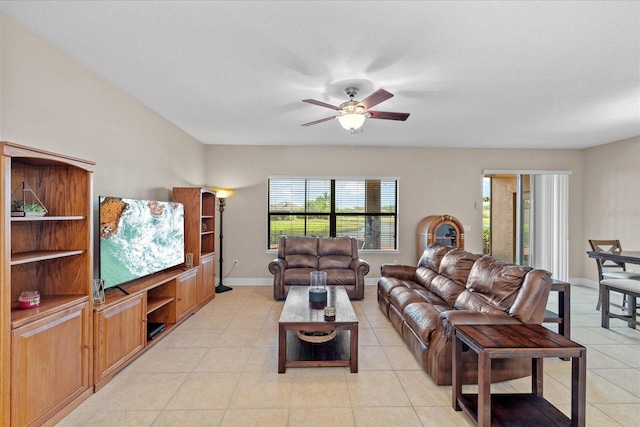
x: 50, y: 101
x: 432, y: 181
x: 612, y: 198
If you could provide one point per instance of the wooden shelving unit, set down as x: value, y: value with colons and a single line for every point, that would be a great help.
x: 120, y: 324
x: 51, y: 255
x: 40, y: 380
x: 200, y: 234
x: 168, y: 297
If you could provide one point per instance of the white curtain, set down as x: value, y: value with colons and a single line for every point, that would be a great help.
x: 550, y: 248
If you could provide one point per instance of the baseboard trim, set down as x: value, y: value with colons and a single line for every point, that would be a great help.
x: 261, y: 281
x: 369, y: 281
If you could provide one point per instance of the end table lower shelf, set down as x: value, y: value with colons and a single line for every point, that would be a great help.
x: 504, y: 410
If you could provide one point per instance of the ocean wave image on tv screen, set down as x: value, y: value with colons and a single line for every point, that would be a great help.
x: 139, y: 237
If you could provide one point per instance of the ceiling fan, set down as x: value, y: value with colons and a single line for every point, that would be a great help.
x: 352, y: 113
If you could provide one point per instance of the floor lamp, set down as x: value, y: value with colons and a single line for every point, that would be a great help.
x: 222, y: 194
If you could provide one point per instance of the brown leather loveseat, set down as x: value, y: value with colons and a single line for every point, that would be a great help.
x: 298, y: 256
x: 450, y: 287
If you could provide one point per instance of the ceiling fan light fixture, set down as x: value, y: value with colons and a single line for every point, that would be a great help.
x: 351, y: 121
x: 352, y: 114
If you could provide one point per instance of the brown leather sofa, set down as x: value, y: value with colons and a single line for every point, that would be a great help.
x: 299, y: 256
x: 449, y: 287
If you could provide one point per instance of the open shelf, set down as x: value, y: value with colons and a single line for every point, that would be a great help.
x: 48, y: 218
x: 36, y: 256
x: 154, y: 303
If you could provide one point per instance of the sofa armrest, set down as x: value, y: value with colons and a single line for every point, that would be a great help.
x: 361, y: 268
x: 277, y: 268
x: 447, y: 319
x: 402, y: 272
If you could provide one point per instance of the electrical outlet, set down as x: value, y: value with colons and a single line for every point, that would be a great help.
x: 235, y: 262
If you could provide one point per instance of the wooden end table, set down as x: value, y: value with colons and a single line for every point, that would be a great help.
x: 517, y: 341
x: 298, y: 315
x: 563, y: 316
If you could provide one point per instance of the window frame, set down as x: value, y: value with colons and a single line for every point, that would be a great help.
x: 332, y: 214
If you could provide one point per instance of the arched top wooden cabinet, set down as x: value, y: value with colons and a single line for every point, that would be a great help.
x: 444, y: 229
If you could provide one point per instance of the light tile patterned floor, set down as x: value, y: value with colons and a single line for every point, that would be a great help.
x: 219, y: 368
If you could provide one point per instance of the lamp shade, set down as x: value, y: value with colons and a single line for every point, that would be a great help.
x: 223, y: 193
x: 351, y: 121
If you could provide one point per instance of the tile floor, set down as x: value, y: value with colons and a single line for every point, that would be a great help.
x: 219, y: 368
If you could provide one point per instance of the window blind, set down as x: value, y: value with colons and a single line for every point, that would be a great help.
x: 362, y: 208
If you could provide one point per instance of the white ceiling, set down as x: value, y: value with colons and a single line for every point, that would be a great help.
x: 530, y: 74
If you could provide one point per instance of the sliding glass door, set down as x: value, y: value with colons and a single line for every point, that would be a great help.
x: 527, y: 220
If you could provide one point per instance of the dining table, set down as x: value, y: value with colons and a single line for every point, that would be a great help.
x: 628, y: 257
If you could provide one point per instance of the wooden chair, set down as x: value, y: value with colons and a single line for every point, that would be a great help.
x: 611, y: 269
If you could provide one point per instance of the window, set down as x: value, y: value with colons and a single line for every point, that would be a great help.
x: 362, y: 208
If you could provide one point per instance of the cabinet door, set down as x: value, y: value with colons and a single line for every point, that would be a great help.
x: 49, y: 364
x: 120, y: 333
x: 207, y: 288
x: 187, y: 292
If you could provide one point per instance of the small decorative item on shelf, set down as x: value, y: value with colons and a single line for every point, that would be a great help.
x: 204, y: 226
x: 188, y: 260
x: 28, y: 299
x: 98, y: 291
x: 24, y: 202
x: 318, y: 290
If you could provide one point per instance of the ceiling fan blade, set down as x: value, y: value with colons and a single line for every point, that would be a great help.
x: 321, y: 104
x: 388, y: 116
x: 376, y: 98
x: 326, y: 119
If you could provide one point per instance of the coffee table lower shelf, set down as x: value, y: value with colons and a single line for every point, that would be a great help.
x: 516, y: 409
x: 332, y: 353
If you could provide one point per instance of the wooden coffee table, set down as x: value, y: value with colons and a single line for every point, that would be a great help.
x: 523, y: 341
x: 297, y: 315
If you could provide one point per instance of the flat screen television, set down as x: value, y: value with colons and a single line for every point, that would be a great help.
x: 138, y: 238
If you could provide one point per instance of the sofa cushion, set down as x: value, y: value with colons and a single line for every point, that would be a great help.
x: 446, y: 289
x: 334, y: 261
x: 456, y: 265
x: 340, y: 276
x: 298, y: 245
x: 422, y: 317
x: 298, y: 276
x: 472, y: 301
x: 432, y: 256
x: 530, y: 302
x: 302, y: 261
x: 424, y: 276
x: 400, y: 297
x: 335, y: 246
x: 386, y: 284
x: 438, y: 303
x: 493, y: 282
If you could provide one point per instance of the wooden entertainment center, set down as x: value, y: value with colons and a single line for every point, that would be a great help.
x: 55, y: 355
